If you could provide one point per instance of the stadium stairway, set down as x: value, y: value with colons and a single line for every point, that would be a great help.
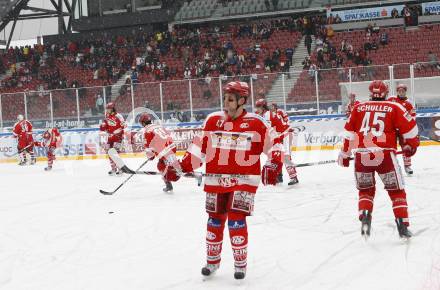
x: 275, y: 94
x: 116, y: 87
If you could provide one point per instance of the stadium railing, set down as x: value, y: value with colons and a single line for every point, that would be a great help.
x: 301, y: 92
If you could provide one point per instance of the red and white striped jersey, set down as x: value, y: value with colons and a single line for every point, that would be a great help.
x: 374, y: 125
x: 231, y: 149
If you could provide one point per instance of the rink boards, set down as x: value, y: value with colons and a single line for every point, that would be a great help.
x: 310, y: 133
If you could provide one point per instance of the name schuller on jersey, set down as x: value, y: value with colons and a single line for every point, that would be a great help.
x: 374, y: 108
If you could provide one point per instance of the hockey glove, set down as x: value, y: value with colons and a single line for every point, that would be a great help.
x: 170, y: 174
x: 408, y: 151
x: 150, y: 154
x: 344, y: 159
x: 410, y: 147
x: 270, y: 172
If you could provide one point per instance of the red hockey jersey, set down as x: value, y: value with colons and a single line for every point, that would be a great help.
x: 113, y: 124
x: 23, y: 132
x: 158, y: 139
x: 51, y: 138
x: 350, y: 107
x: 405, y: 103
x: 231, y: 150
x: 275, y: 122
x: 284, y: 124
x: 373, y: 125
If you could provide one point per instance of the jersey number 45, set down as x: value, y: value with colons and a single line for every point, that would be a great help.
x: 370, y: 124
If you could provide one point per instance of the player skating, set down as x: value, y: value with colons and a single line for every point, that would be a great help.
x: 371, y: 135
x: 279, y: 121
x: 51, y: 140
x: 113, y: 125
x: 159, y: 143
x: 402, y: 99
x: 25, y: 141
x: 286, y: 138
x: 231, y: 145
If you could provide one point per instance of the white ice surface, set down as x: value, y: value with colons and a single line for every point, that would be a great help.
x: 56, y: 231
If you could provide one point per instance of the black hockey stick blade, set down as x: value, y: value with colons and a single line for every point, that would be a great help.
x: 120, y: 163
x: 107, y: 192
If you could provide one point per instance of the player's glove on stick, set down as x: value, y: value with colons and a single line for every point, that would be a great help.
x: 344, y: 159
x: 270, y: 172
x: 410, y: 147
x: 170, y: 174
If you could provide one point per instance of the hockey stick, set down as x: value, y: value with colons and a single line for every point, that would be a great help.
x: 19, y: 152
x: 125, y: 181
x: 327, y: 161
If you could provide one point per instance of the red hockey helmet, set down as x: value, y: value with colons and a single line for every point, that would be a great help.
x: 144, y: 118
x: 402, y: 86
x: 261, y: 103
x: 378, y: 90
x: 110, y: 106
x: 241, y: 89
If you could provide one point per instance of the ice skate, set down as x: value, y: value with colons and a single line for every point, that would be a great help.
x: 280, y: 178
x: 210, y: 269
x: 408, y: 170
x: 22, y: 162
x: 33, y: 160
x: 366, y: 224
x: 240, y: 273
x: 112, y: 172
x: 168, y: 187
x: 404, y: 233
x: 293, y: 181
x: 48, y: 168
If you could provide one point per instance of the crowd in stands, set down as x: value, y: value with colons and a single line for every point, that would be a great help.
x: 206, y: 51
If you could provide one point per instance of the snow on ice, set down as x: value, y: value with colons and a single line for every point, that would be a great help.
x: 58, y: 232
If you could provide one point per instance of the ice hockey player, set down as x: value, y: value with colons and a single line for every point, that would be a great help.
x: 231, y: 145
x: 402, y: 99
x: 280, y: 123
x: 351, y: 103
x: 25, y: 141
x: 371, y: 132
x: 114, y: 126
x: 286, y: 138
x: 51, y: 140
x: 159, y: 143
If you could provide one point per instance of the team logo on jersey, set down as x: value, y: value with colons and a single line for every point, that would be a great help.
x: 232, y: 141
x: 237, y: 240
x: 244, y: 125
x: 210, y: 236
x: 227, y: 181
x: 111, y: 122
